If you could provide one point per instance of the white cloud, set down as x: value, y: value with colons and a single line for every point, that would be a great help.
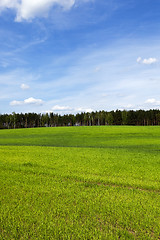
x: 8, y: 4
x: 83, y: 110
x: 16, y: 103
x: 30, y: 100
x: 67, y: 109
x: 29, y: 9
x: 153, y: 101
x: 147, y: 61
x: 150, y: 60
x: 24, y: 86
x: 128, y: 106
x: 139, y: 59
x: 60, y: 108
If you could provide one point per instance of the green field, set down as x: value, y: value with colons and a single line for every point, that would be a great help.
x: 80, y: 183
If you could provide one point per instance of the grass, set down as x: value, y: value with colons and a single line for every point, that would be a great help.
x: 80, y: 183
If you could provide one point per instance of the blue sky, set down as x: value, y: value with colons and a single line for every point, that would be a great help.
x: 69, y: 56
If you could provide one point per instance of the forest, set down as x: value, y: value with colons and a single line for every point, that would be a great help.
x: 118, y: 117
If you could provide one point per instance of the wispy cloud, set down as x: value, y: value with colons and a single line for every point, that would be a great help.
x: 16, y: 103
x: 4, y: 63
x: 24, y: 86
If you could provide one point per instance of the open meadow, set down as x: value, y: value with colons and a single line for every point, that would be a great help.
x: 80, y: 183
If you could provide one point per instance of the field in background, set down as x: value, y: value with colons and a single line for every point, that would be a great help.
x: 80, y: 183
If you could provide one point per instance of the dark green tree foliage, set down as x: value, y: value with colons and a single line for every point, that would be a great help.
x: 31, y: 120
x: 124, y: 114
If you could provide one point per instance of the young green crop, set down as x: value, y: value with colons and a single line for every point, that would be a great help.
x: 80, y: 183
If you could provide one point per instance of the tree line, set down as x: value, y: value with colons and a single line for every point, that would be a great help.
x: 118, y: 117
